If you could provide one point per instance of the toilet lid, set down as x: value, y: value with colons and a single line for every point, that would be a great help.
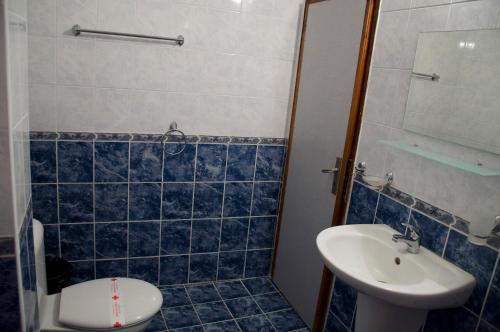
x: 109, y: 303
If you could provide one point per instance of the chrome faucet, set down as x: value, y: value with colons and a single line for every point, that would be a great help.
x: 412, y: 238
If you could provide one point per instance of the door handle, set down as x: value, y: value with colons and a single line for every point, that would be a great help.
x: 335, y: 171
x: 330, y: 170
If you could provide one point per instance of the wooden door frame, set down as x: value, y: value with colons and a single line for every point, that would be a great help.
x: 350, y: 147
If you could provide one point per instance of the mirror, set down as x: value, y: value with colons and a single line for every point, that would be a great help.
x: 455, y: 88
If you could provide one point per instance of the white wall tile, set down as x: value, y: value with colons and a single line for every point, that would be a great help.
x: 117, y: 15
x: 42, y: 17
x: 426, y: 3
x: 388, y: 5
x: 114, y: 64
x: 75, y: 108
x: 42, y: 59
x: 474, y: 15
x: 75, y: 61
x: 43, y: 116
x: 390, y: 44
x: 71, y: 12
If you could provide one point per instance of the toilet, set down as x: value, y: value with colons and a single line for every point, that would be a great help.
x: 108, y: 304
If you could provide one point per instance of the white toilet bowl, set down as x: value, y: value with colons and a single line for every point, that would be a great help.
x: 109, y: 304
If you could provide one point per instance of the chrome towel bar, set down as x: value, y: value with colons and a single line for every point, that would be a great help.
x: 77, y: 30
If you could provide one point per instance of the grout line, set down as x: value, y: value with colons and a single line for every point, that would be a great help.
x: 57, y: 199
x: 222, y: 299
x: 222, y: 214
x: 128, y: 207
x: 487, y: 293
x: 93, y: 206
x: 161, y: 208
x: 194, y: 308
x: 192, y: 211
x: 258, y: 305
x: 251, y: 210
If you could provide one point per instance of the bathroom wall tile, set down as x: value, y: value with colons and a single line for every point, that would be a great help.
x: 258, y: 263
x: 265, y: 198
x: 212, y: 312
x: 175, y: 237
x: 231, y: 289
x: 203, y: 267
x: 177, y: 200
x: 255, y: 323
x: 145, y: 162
x: 82, y: 271
x: 179, y: 317
x: 455, y: 319
x: 208, y: 200
x: 399, y: 195
x: 434, y: 233
x: 51, y: 239
x: 286, y: 320
x: 473, y: 15
x: 174, y: 270
x: 205, y: 235
x: 362, y: 205
x: 234, y: 234
x: 392, y: 213
x: 144, y: 269
x: 44, y: 199
x: 111, y: 240
x: 237, y: 199
x: 231, y: 265
x: 259, y: 285
x: 144, y: 239
x: 75, y: 161
x: 42, y: 17
x: 211, y: 162
x: 343, y: 301
x: 389, y: 50
x: 43, y: 161
x: 77, y: 241
x: 269, y: 163
x: 42, y: 59
x: 433, y: 211
x: 144, y: 201
x: 477, y: 260
x: 271, y: 302
x: 75, y: 61
x: 179, y: 167
x: 111, y: 268
x: 261, y: 233
x: 174, y: 296
x: 241, y: 162
x: 243, y: 307
x: 111, y: 202
x: 76, y: 203
x: 111, y: 162
x: 203, y: 293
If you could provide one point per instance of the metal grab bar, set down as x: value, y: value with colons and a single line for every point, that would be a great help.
x: 432, y: 77
x: 77, y: 30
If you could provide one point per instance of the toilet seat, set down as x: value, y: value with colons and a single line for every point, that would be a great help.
x: 104, y: 304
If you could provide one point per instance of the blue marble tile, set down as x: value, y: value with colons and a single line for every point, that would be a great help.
x: 111, y: 268
x: 491, y: 312
x: 75, y: 161
x: 111, y: 240
x: 203, y: 267
x: 205, y: 235
x: 271, y: 302
x: 237, y: 199
x: 286, y: 320
x: 255, y: 324
x: 174, y: 270
x: 212, y: 312
x: 333, y: 324
x: 231, y: 289
x: 273, y: 141
x: 111, y: 202
x: 182, y: 316
x: 77, y: 241
x: 450, y: 320
x: 7, y: 246
x: 226, y: 326
x: 76, y: 203
x: 196, y: 328
x: 208, y: 200
x: 475, y: 259
x: 266, y: 198
x: 433, y: 233
x: 157, y: 324
x: 144, y: 269
x: 231, y: 265
x: 258, y: 263
x: 144, y: 239
x: 51, y: 237
x: 434, y: 212
x: 111, y: 162
x: 398, y: 195
x: 43, y: 161
x: 144, y: 201
x: 243, y: 307
x: 343, y: 303
x: 175, y: 237
x: 174, y: 296
x: 77, y: 136
x: 261, y: 233
x: 241, y: 162
x: 203, y: 293
x: 362, y: 206
x: 179, y: 168
x: 44, y: 200
x: 211, y: 162
x: 269, y: 165
x: 485, y: 327
x: 82, y: 271
x: 146, y: 162
x: 234, y: 234
x: 392, y: 213
x: 177, y: 200
x: 259, y: 285
x: 115, y: 137
x: 9, y: 296
x: 43, y: 135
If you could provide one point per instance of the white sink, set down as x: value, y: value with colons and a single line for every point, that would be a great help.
x: 389, y: 279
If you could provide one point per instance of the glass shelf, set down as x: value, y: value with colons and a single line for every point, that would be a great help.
x: 462, y: 165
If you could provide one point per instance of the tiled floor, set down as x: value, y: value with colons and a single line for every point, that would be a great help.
x: 246, y: 305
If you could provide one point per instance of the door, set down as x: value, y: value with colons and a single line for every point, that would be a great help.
x: 331, y: 43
